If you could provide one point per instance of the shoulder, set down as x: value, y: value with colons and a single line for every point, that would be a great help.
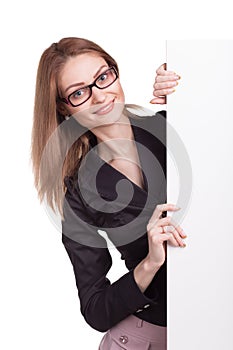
x: 142, y: 113
x: 145, y: 116
x: 153, y: 125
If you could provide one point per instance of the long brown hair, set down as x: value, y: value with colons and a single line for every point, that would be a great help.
x: 48, y: 138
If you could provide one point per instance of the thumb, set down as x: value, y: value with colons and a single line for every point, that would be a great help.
x: 158, y: 100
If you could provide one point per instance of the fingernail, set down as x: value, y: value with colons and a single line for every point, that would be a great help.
x: 176, y: 207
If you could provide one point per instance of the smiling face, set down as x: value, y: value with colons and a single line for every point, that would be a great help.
x: 105, y: 106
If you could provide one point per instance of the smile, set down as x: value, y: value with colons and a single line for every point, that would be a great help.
x: 105, y: 109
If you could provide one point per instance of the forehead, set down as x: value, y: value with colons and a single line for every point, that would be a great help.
x: 81, y: 68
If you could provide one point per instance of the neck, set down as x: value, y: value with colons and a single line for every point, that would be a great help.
x: 115, y: 140
x: 120, y: 129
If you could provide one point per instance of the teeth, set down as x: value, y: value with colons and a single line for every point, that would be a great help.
x: 105, y: 108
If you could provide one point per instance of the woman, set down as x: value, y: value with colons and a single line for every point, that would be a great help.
x: 111, y: 165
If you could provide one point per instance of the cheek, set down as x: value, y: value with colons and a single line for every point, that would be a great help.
x: 84, y: 115
x: 80, y: 112
x: 120, y: 93
x: 83, y: 118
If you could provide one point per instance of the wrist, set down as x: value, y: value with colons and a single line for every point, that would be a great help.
x: 144, y: 273
x: 150, y: 265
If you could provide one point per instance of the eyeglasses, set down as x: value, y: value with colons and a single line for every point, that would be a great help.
x: 80, y: 96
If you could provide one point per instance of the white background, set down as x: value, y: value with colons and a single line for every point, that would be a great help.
x: 39, y: 304
x: 39, y: 301
x: 200, y: 277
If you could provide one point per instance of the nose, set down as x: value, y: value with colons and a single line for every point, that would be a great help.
x: 98, y: 95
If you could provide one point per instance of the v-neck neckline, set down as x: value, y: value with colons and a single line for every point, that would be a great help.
x: 126, y: 177
x: 145, y: 186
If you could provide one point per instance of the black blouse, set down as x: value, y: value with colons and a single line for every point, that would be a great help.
x: 100, y: 197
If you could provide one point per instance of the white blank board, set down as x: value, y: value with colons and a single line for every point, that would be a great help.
x: 200, y: 276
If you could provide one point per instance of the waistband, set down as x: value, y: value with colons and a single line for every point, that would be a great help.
x: 142, y: 329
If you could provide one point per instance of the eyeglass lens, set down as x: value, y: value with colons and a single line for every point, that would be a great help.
x: 103, y: 81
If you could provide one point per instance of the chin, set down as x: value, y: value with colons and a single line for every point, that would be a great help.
x: 91, y: 120
x: 111, y: 117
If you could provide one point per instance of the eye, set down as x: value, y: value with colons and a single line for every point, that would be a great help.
x: 103, y: 77
x: 78, y: 94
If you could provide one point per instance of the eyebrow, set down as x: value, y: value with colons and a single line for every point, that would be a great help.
x: 82, y: 83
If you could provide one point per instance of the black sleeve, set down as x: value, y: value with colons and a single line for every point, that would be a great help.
x: 102, y: 304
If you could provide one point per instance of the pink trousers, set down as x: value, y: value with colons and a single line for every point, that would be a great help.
x: 135, y: 334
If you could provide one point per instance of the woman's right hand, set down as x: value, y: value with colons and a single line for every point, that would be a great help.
x: 160, y: 230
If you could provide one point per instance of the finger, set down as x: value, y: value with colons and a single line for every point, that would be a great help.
x: 168, y: 229
x: 163, y: 229
x: 159, y: 222
x: 176, y: 235
x: 172, y: 241
x: 165, y: 221
x: 159, y: 100
x: 164, y: 78
x: 163, y: 92
x: 169, y: 238
x: 162, y: 70
x: 165, y: 85
x: 164, y: 225
x: 156, y: 226
x: 160, y: 208
x: 178, y: 229
x: 171, y: 225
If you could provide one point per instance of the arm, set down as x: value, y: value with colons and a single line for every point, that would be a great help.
x: 102, y: 304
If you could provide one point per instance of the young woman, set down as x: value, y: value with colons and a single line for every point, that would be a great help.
x: 104, y: 168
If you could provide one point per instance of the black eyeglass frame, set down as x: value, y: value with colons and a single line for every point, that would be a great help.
x: 67, y: 100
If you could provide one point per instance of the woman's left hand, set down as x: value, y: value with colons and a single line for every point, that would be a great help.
x: 165, y: 83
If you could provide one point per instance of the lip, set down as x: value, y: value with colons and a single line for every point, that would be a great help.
x: 108, y: 107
